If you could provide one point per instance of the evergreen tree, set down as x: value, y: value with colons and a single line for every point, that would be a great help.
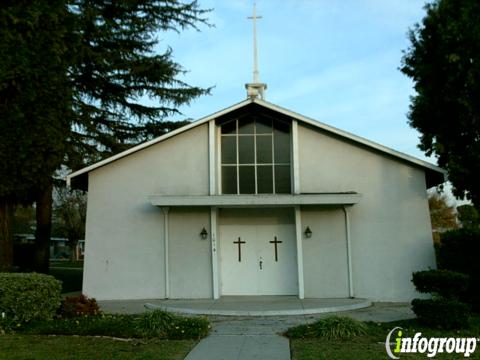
x: 117, y: 65
x: 444, y: 62
x: 468, y: 216
x: 35, y: 104
x: 108, y: 56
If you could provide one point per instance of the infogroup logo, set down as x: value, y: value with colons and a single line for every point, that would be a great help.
x: 432, y: 346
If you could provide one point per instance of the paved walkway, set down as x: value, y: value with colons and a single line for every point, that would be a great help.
x: 259, y: 337
x: 235, y: 337
x: 242, y: 347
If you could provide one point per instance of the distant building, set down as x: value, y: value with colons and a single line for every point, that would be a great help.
x: 59, y: 249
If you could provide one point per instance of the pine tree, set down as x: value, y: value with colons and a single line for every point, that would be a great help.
x: 73, y: 74
x: 116, y: 65
x: 35, y: 104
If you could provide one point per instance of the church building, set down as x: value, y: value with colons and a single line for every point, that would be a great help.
x: 257, y: 200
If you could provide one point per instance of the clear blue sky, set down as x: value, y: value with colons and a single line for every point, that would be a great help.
x: 332, y: 60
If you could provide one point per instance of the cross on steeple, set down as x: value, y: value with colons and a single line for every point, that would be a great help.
x: 254, y: 17
x: 256, y: 88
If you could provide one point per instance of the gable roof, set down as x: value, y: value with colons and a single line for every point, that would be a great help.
x: 434, y: 174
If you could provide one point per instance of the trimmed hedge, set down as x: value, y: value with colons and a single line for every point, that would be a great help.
x: 458, y: 251
x: 443, y: 313
x: 25, y: 297
x: 448, y: 284
x: 444, y: 310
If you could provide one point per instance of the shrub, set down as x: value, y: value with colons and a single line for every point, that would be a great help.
x: 159, y: 323
x: 78, y: 306
x: 331, y: 328
x: 26, y: 297
x: 90, y: 325
x: 155, y: 323
x: 188, y: 328
x: 458, y: 251
x: 443, y: 313
x: 447, y: 284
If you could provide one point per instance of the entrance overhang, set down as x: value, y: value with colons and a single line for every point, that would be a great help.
x: 347, y: 198
x: 296, y: 201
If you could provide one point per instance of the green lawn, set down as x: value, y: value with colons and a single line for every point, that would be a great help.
x: 71, y: 278
x: 69, y: 264
x: 364, y: 349
x: 23, y: 347
x: 372, y: 346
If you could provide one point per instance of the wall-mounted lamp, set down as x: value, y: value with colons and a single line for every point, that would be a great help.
x: 308, y: 232
x: 203, y: 233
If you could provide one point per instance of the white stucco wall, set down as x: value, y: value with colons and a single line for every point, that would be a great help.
x: 190, y: 255
x: 124, y: 234
x: 390, y: 227
x: 324, y: 254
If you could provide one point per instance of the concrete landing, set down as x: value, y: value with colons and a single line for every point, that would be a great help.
x: 259, y: 306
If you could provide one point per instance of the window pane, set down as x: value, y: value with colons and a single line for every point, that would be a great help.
x: 265, y: 179
x: 229, y: 127
x: 246, y: 150
x: 247, y: 179
x: 264, y: 149
x: 245, y: 126
x: 282, y: 146
x: 281, y: 126
x: 263, y: 125
x: 229, y: 180
x: 229, y: 149
x: 282, y: 179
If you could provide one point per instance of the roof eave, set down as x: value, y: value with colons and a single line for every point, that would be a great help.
x: 433, y: 169
x: 350, y: 136
x: 146, y: 144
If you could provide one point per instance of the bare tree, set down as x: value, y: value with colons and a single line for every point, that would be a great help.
x: 442, y: 215
x: 70, y: 208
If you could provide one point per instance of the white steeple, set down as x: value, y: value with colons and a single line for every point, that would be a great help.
x: 256, y: 88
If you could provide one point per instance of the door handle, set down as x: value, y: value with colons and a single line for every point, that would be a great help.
x: 261, y: 262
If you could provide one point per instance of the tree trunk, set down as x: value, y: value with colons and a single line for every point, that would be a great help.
x: 6, y: 235
x: 44, y: 229
x: 73, y: 249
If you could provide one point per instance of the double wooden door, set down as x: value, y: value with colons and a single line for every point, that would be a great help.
x: 258, y: 259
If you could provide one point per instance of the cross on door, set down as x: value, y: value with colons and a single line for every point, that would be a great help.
x: 275, y: 242
x: 239, y: 242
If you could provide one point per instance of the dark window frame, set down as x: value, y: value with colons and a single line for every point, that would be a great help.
x: 227, y: 130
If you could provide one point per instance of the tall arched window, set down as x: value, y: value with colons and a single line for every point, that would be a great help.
x: 255, y: 156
